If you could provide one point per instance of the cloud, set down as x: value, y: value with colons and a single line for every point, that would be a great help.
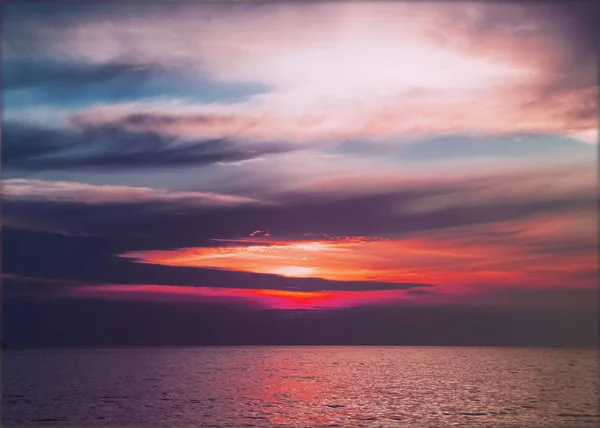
x: 20, y: 287
x: 112, y: 148
x: 276, y: 116
x: 175, y: 118
x: 438, y: 139
x: 33, y: 83
x: 377, y: 208
x: 462, y: 257
x: 500, y: 236
x: 500, y: 191
x: 92, y: 260
x: 40, y: 190
x: 491, y: 29
x: 507, y: 148
x: 31, y: 74
x: 540, y: 146
x: 513, y: 62
x: 521, y: 262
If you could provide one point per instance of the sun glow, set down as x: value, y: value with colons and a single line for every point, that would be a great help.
x: 449, y: 260
x: 295, y: 271
x: 375, y: 69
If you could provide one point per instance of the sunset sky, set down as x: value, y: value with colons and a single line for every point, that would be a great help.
x: 307, y: 158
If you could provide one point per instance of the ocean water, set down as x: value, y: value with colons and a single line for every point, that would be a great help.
x: 301, y: 386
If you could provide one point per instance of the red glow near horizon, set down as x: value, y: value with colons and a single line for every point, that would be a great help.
x: 270, y: 299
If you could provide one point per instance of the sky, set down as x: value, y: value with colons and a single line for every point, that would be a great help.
x: 299, y: 173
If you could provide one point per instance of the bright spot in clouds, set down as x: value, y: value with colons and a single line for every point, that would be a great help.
x: 445, y: 260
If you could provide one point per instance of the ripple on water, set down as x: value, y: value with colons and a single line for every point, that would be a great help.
x: 278, y: 387
x: 54, y: 419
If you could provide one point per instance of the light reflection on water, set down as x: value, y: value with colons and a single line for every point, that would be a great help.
x: 304, y: 386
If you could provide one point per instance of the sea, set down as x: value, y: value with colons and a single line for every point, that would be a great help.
x: 301, y: 387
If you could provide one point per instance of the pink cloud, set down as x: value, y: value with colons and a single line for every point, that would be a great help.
x: 351, y: 69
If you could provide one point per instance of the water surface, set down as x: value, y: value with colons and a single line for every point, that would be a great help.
x: 301, y: 386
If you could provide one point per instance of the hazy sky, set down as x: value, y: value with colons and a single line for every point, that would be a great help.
x: 325, y: 161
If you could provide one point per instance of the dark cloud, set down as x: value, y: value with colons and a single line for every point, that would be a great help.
x: 579, y: 23
x: 156, y: 122
x: 87, y: 238
x: 575, y: 24
x: 16, y: 287
x: 61, y: 83
x: 18, y: 75
x: 159, y: 120
x: 112, y: 147
x: 378, y: 214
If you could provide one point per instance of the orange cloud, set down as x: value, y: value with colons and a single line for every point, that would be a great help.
x: 546, y: 251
